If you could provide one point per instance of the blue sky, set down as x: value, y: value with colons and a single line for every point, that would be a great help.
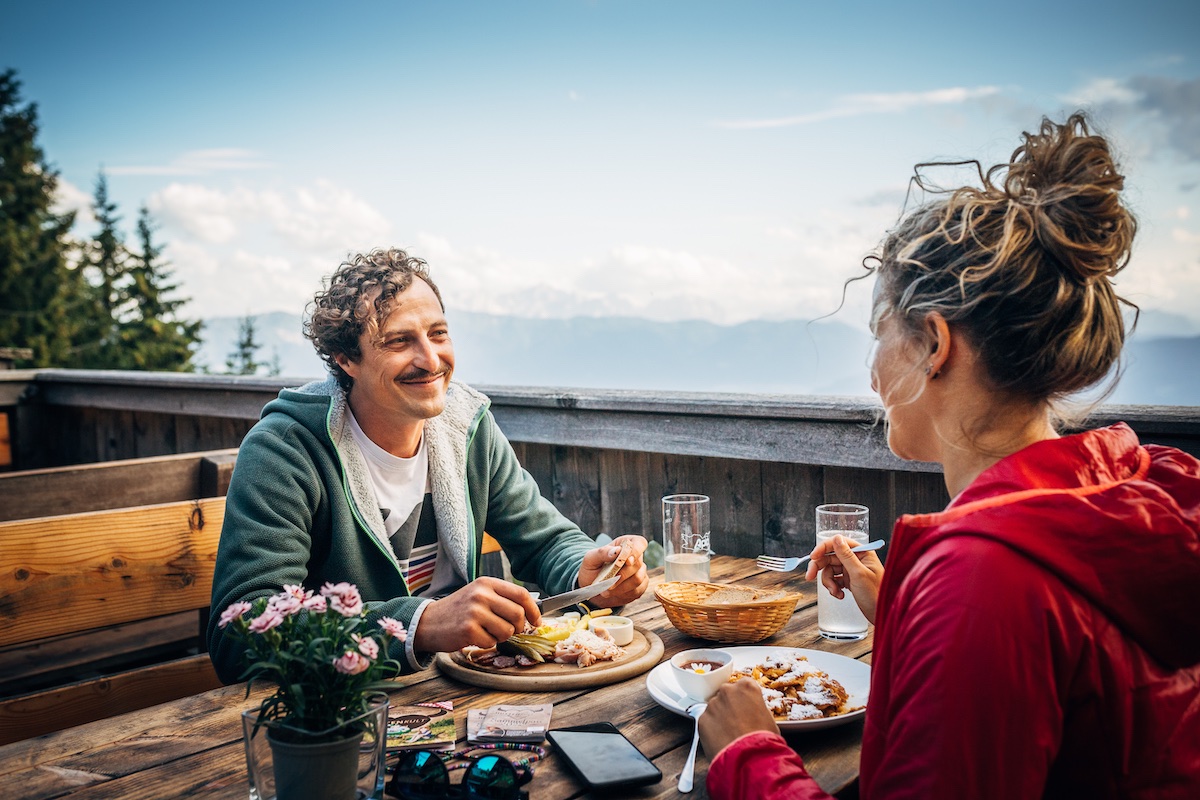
x: 671, y: 160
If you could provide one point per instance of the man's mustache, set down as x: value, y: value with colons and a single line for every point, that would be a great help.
x: 421, y: 375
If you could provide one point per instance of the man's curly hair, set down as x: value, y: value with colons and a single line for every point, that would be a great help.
x: 358, y: 299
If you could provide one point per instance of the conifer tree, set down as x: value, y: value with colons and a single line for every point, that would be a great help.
x: 105, y: 298
x: 242, y: 361
x: 153, y: 336
x: 37, y: 284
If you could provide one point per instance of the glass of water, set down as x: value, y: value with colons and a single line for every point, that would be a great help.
x: 841, y: 619
x: 686, y: 537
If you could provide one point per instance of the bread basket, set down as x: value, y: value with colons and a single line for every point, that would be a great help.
x: 731, y: 623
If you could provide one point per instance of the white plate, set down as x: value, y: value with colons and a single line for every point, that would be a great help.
x: 854, y: 675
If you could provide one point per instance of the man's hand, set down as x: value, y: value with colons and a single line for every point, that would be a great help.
x: 634, y: 580
x: 484, y: 612
x: 841, y: 569
x: 735, y: 710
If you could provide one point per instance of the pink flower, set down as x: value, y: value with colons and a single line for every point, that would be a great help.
x: 343, y: 598
x: 366, y: 645
x: 393, y: 628
x: 315, y: 603
x: 233, y: 612
x: 286, y: 604
x: 267, y: 620
x: 351, y: 663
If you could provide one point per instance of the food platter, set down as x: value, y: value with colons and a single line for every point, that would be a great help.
x: 854, y: 675
x: 641, y: 654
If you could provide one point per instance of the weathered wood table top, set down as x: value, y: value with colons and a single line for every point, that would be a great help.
x: 192, y: 748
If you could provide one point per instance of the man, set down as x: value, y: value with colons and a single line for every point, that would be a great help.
x: 387, y: 475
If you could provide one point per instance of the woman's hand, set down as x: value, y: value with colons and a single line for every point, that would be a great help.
x: 735, y: 710
x: 841, y: 569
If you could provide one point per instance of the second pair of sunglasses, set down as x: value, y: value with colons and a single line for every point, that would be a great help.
x: 422, y: 775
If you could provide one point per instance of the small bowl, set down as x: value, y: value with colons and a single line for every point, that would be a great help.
x: 620, y: 628
x: 701, y: 686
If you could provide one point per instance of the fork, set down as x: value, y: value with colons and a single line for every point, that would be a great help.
x: 789, y: 564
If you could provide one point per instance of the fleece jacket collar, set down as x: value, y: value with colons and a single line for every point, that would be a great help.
x: 446, y: 438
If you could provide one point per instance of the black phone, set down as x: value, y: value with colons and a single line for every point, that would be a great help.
x: 602, y: 757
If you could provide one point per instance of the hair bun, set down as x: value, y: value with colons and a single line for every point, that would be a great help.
x: 1062, y: 181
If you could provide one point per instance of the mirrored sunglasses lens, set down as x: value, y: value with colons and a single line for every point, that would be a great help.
x: 420, y: 775
x: 491, y: 778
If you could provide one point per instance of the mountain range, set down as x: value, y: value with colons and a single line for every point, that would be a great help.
x: 784, y: 357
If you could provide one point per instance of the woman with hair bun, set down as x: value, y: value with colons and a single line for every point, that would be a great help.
x: 1041, y: 636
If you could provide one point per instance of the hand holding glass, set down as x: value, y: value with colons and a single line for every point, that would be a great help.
x: 841, y: 619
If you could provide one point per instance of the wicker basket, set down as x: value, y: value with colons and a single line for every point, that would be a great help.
x: 739, y: 623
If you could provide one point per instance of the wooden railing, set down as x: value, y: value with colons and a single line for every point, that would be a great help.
x: 605, y: 458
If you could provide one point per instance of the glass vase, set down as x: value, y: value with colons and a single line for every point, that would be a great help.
x: 287, y: 763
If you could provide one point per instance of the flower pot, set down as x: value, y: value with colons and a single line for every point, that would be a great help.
x: 316, y: 770
x: 342, y: 763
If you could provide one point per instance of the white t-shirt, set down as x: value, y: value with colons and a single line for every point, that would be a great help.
x: 402, y: 488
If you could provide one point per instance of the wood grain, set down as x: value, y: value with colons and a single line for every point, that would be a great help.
x: 640, y: 657
x: 111, y: 484
x: 73, y: 572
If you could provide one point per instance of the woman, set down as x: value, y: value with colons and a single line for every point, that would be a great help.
x: 1041, y: 636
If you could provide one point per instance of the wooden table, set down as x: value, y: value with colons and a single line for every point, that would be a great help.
x: 192, y: 748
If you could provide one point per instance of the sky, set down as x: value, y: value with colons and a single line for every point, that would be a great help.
x: 667, y: 160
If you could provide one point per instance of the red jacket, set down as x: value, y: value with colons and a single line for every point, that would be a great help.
x: 1038, y: 638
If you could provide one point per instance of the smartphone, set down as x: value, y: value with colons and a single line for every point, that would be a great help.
x: 602, y: 757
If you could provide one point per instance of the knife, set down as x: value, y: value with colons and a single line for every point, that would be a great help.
x: 576, y: 596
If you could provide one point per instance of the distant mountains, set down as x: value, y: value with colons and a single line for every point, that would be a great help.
x: 787, y: 357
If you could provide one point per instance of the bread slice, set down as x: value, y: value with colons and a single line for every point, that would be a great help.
x: 738, y: 595
x: 612, y: 569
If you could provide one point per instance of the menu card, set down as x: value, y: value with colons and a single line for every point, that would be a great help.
x: 509, y: 723
x: 421, y: 726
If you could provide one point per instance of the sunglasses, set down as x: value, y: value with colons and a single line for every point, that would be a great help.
x: 422, y: 775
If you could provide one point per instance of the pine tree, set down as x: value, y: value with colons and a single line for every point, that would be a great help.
x: 154, y: 337
x: 242, y: 360
x: 37, y: 284
x: 105, y: 301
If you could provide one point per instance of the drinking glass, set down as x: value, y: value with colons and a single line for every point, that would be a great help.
x: 686, y: 537
x: 841, y: 619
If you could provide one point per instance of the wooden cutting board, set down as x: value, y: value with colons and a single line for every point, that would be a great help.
x: 641, y: 655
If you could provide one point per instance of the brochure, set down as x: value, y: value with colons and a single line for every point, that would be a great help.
x: 508, y: 723
x: 421, y: 726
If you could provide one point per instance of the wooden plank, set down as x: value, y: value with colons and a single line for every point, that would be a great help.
x: 576, y: 486
x: 87, y: 701
x: 791, y: 493
x: 6, y: 456
x: 735, y: 491
x: 78, y: 571
x: 871, y: 488
x: 625, y: 507
x: 112, y: 484
x: 216, y: 470
x: 57, y: 660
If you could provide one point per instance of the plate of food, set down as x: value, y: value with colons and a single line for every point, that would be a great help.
x: 805, y: 689
x: 566, y: 652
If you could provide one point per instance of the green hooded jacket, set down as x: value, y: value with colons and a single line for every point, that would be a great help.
x: 301, y: 509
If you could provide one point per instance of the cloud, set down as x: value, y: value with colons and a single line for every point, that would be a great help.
x: 322, y: 217
x: 198, y: 162
x: 266, y: 250
x: 1166, y: 109
x: 69, y: 197
x: 855, y: 105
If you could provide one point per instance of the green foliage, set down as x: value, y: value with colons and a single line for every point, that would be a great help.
x: 243, y: 359
x: 319, y: 652
x: 38, y: 288
x: 93, y: 305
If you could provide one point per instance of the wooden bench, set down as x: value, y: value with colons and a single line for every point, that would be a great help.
x: 134, y: 634
x: 73, y: 573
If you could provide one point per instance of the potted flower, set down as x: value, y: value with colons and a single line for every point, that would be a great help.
x: 327, y: 711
